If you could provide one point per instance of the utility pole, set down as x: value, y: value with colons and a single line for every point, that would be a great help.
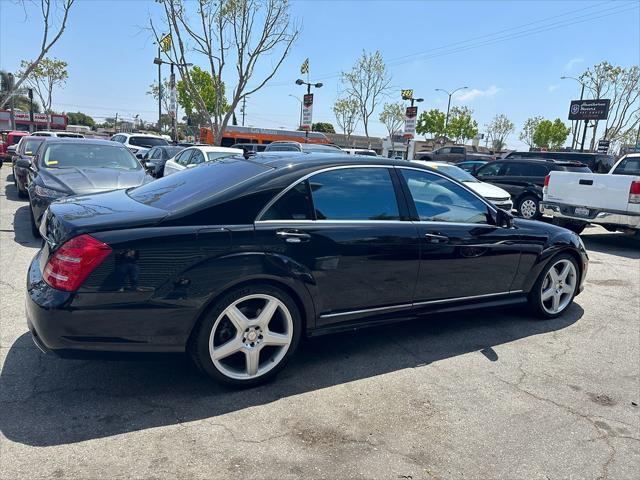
x: 115, y: 124
x: 159, y: 93
x: 244, y: 108
x: 174, y: 110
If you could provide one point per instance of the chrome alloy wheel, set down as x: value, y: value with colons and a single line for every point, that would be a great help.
x: 528, y: 209
x: 251, y: 336
x: 558, y: 286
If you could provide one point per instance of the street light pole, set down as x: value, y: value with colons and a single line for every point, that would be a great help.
x: 446, y: 122
x: 574, y: 142
x: 159, y: 93
x: 300, y: 121
x: 406, y: 153
x: 158, y: 61
x: 309, y: 85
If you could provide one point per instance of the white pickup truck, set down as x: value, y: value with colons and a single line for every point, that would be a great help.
x: 612, y: 200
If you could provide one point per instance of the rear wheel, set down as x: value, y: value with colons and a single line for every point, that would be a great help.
x: 575, y: 226
x: 528, y: 207
x: 556, y: 287
x: 249, y: 335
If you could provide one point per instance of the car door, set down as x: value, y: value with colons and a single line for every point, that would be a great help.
x: 346, y: 230
x: 463, y: 253
x: 493, y: 172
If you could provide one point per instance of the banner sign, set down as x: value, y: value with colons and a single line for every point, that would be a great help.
x: 410, y: 119
x: 173, y: 99
x: 406, y: 94
x: 589, y: 109
x: 307, y: 111
x: 603, y: 146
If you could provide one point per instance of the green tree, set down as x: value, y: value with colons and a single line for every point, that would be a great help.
x: 367, y: 83
x: 79, y: 118
x: 154, y: 91
x: 324, y: 127
x: 392, y: 117
x: 551, y: 135
x: 347, y: 112
x: 528, y: 129
x: 431, y: 122
x: 44, y: 78
x: 461, y: 126
x: 498, y: 130
x: 206, y: 88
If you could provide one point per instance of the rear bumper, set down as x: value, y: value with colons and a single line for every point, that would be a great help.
x: 597, y: 216
x: 58, y: 325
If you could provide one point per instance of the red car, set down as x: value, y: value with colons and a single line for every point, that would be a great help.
x: 7, y: 139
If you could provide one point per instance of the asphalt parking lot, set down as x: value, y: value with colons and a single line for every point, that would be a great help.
x: 488, y: 394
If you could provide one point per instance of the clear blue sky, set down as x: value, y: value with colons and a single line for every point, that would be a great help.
x: 510, y: 54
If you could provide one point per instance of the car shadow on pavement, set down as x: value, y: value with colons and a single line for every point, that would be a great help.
x: 22, y: 229
x: 617, y: 244
x: 49, y: 401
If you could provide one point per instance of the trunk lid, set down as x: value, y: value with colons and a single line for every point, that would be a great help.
x: 605, y: 192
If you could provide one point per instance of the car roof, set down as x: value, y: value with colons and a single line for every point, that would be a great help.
x: 129, y: 134
x: 83, y: 141
x: 213, y: 148
x: 295, y: 160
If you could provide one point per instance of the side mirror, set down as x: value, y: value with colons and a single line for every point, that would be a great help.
x: 504, y: 219
x: 23, y: 163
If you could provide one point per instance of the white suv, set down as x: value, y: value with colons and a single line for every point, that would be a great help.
x: 139, y: 143
x: 63, y: 134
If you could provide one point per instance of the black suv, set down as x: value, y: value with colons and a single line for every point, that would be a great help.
x: 524, y: 179
x: 597, y: 162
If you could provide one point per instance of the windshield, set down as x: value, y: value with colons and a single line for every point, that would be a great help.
x: 213, y: 156
x: 70, y: 135
x: 320, y: 148
x: 628, y: 166
x: 195, y: 185
x: 455, y: 172
x: 579, y: 169
x: 282, y: 148
x: 147, y: 141
x: 31, y: 145
x: 366, y: 153
x: 82, y: 155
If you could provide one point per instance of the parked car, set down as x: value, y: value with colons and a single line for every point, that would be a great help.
x: 455, y: 154
x: 361, y: 151
x: 496, y: 195
x: 53, y: 133
x: 250, y: 147
x: 524, y: 179
x: 69, y: 166
x: 194, y: 156
x: 286, y: 146
x: 26, y: 149
x: 597, y: 162
x: 9, y: 140
x: 234, y: 261
x: 575, y: 200
x: 139, y: 143
x: 155, y: 159
x: 471, y: 166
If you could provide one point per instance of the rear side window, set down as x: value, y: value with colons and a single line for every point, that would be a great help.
x: 147, y: 141
x: 457, y: 149
x: 354, y: 194
x: 295, y: 204
x: 567, y: 168
x: 196, y: 185
x: 525, y: 169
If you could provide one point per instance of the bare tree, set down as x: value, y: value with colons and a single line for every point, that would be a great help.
x: 498, y: 130
x: 228, y: 33
x: 392, y: 117
x: 367, y: 82
x: 52, y: 31
x: 347, y: 114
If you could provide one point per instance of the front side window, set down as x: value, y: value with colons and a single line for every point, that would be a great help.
x: 443, y: 151
x: 490, y: 169
x: 438, y: 199
x: 183, y: 158
x: 354, y: 194
x: 294, y: 204
x: 30, y: 146
x: 196, y: 158
x: 457, y: 149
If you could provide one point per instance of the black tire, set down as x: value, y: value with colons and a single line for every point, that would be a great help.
x: 576, y: 226
x: 198, y: 347
x: 34, y: 228
x: 524, y: 202
x: 535, y: 296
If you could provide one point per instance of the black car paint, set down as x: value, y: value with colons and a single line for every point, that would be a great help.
x: 183, y: 264
x: 597, y: 162
x: 76, y: 181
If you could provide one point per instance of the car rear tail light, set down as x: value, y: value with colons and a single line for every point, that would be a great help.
x: 72, y: 263
x: 634, y: 192
x: 545, y: 188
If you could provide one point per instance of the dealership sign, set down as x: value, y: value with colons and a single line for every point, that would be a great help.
x: 589, y: 109
x: 37, y: 117
x: 410, y: 119
x: 307, y: 111
x: 603, y: 146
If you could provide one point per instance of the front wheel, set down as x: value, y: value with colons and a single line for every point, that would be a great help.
x: 555, y: 288
x: 528, y: 207
x: 248, y: 336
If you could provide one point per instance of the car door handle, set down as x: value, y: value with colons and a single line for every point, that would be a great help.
x: 292, y: 236
x: 435, y: 238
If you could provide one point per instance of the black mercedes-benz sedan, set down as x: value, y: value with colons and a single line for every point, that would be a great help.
x: 70, y: 166
x: 235, y: 260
